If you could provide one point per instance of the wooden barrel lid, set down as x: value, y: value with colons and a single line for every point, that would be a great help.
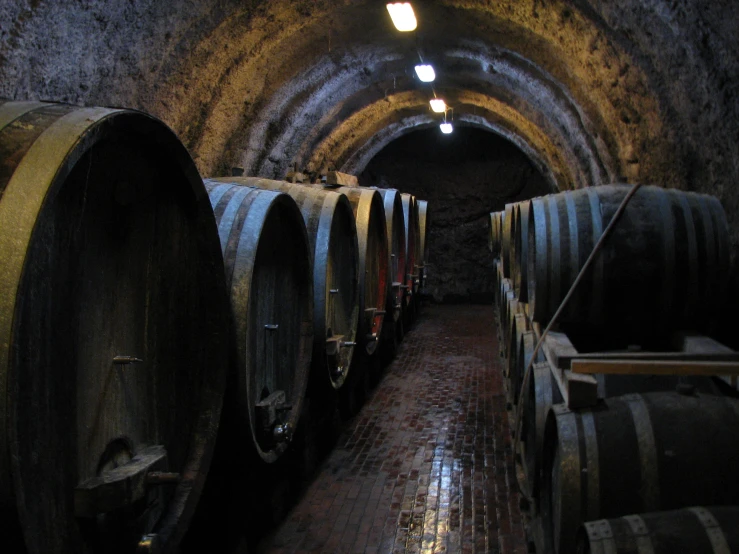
x: 113, y: 327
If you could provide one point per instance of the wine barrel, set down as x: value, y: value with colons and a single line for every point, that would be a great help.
x: 268, y: 267
x: 374, y: 282
x: 507, y: 238
x: 664, y: 267
x: 520, y: 251
x: 518, y: 324
x: 423, y: 243
x: 543, y: 393
x: 412, y: 244
x: 333, y: 240
x: 525, y: 345
x: 113, y: 329
x: 697, y: 530
x: 395, y: 225
x: 636, y: 453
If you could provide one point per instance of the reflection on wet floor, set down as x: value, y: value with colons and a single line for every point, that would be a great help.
x: 427, y: 465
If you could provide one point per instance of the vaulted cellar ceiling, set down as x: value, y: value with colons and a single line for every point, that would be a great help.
x: 592, y: 91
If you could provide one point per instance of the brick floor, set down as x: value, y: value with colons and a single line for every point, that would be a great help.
x: 427, y: 464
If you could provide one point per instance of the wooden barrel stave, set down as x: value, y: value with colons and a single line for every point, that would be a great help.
x: 111, y: 200
x: 520, y: 251
x: 631, y: 455
x: 268, y: 266
x: 696, y: 529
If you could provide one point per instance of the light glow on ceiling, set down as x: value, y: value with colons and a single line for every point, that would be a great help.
x: 437, y: 105
x: 402, y: 15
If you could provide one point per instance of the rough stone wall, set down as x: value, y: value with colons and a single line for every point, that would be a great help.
x: 463, y: 176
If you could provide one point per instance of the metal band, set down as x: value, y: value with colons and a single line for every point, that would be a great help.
x: 713, y: 530
x: 647, y: 451
x: 593, y: 470
x: 690, y: 300
x: 641, y: 534
x: 667, y: 285
x: 555, y: 256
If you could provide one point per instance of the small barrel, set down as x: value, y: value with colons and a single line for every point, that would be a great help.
x: 333, y: 238
x: 697, y: 530
x: 633, y: 454
x: 268, y: 268
x: 374, y: 282
x: 664, y: 267
x: 507, y: 238
x: 520, y: 251
x: 423, y: 222
x: 114, y: 328
x: 395, y: 226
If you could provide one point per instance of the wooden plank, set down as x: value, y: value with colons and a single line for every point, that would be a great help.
x: 700, y: 344
x: 559, y: 350
x: 582, y: 390
x: 343, y: 179
x: 654, y: 367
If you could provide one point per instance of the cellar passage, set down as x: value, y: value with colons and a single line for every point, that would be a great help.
x: 464, y: 176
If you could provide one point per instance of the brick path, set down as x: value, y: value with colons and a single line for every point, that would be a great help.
x: 426, y: 466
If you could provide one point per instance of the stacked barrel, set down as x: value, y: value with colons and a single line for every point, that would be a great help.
x: 656, y: 451
x: 145, y: 312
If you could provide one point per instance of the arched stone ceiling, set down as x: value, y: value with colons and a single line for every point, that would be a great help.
x: 592, y: 90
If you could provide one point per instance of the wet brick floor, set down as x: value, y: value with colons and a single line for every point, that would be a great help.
x: 427, y: 464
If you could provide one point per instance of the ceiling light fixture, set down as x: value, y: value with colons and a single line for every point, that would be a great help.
x: 446, y: 128
x: 402, y: 15
x: 437, y: 105
x: 425, y: 73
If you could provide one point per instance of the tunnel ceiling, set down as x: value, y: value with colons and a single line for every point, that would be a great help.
x: 592, y: 91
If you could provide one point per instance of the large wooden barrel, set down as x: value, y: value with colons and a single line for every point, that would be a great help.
x: 113, y: 329
x: 412, y: 244
x: 694, y: 530
x: 268, y: 274
x: 333, y: 239
x: 633, y: 454
x: 520, y: 251
x: 423, y: 223
x: 543, y: 393
x: 395, y: 225
x: 664, y: 267
x: 507, y: 238
x: 374, y: 278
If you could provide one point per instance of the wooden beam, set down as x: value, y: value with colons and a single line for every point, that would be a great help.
x: 342, y: 179
x: 654, y: 367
